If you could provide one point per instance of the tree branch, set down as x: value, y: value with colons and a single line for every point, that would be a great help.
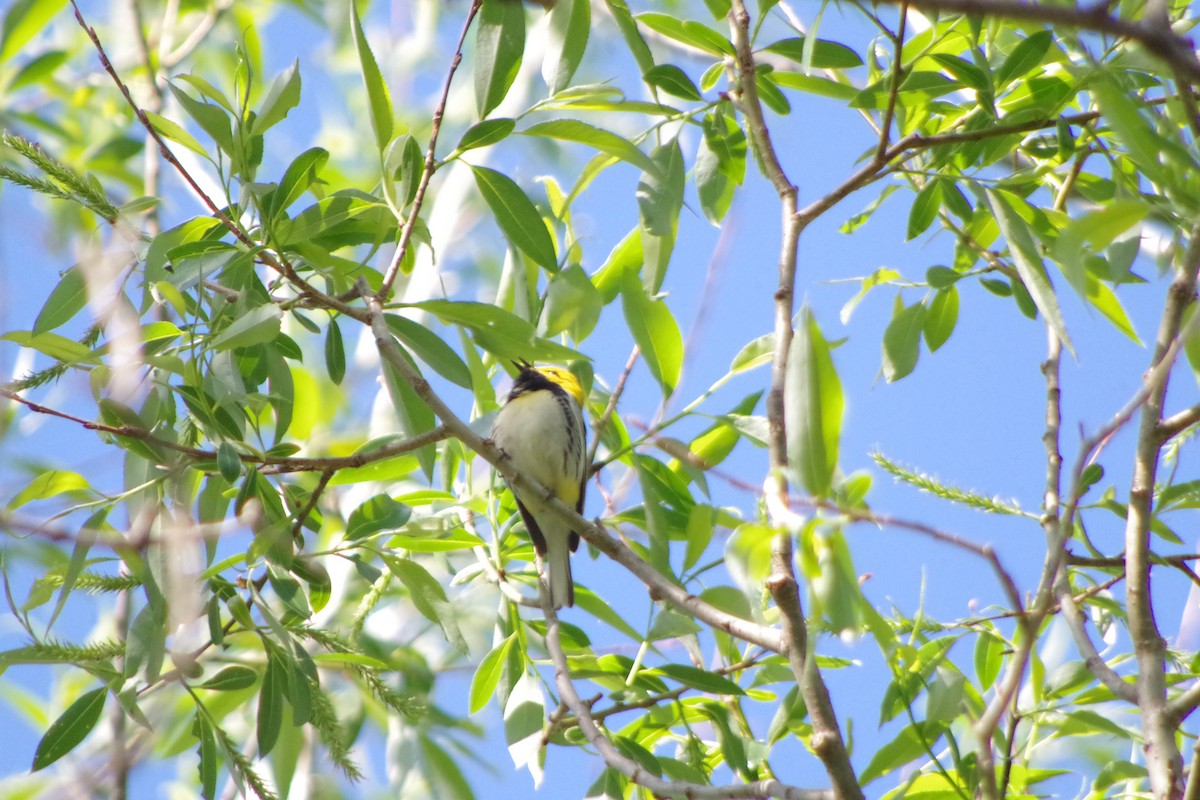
x: 661, y: 588
x: 1163, y: 760
x: 1153, y: 34
x: 614, y: 759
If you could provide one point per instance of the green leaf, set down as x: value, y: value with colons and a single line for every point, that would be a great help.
x: 49, y: 484
x: 660, y: 199
x: 902, y: 341
x: 720, y: 164
x: 813, y: 406
x: 211, y: 118
x: 499, y: 46
x: 429, y: 598
x: 700, y: 679
x: 1105, y: 300
x: 500, y: 332
x: 572, y: 130
x: 270, y: 705
x: 924, y: 209
x: 68, y: 299
x: 379, y: 513
x: 1023, y: 58
x: 176, y: 133
x: 814, y: 84
x: 910, y: 744
x: 940, y: 318
x: 941, y: 277
x: 1092, y: 232
x: 824, y: 54
x: 572, y: 302
x: 283, y: 96
x: 630, y: 33
x: 335, y: 353
x: 656, y: 333
x: 485, y: 133
x: 379, y: 98
x: 229, y: 463
x: 693, y: 34
x: 429, y: 347
x: 517, y: 216
x: 256, y: 326
x: 71, y: 728
x: 487, y: 675
x: 300, y: 175
x: 566, y: 41
x: 1028, y: 260
x: 23, y: 21
x: 672, y: 80
x: 209, y: 766
x: 231, y: 679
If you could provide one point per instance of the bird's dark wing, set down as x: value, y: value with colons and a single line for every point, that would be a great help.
x: 535, y: 533
x: 573, y: 539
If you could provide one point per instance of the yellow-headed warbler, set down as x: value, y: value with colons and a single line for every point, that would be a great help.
x: 541, y: 429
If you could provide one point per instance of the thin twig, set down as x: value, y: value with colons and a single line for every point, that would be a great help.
x: 889, y: 114
x: 393, y: 269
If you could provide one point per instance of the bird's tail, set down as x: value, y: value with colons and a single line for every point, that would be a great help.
x: 558, y: 571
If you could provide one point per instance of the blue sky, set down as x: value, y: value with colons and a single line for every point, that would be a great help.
x: 971, y: 414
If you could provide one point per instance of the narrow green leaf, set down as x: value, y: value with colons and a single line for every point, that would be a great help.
x: 175, y: 132
x: 485, y: 133
x: 1028, y: 260
x: 672, y: 80
x: 299, y: 175
x: 487, y: 675
x: 256, y: 326
x: 499, y: 47
x: 1105, y: 300
x: 720, y: 164
x: 660, y: 199
x: 335, y: 353
x: 1092, y: 232
x: 902, y: 341
x: 813, y: 405
x: 656, y: 333
x: 231, y: 679
x: 283, y: 96
x: 270, y: 705
x: 71, y: 728
x: 211, y: 118
x: 210, y: 764
x: 1023, y: 58
x: 23, y: 20
x: 566, y: 41
x: 940, y: 318
x: 379, y: 513
x: 825, y: 54
x: 378, y: 97
x: 229, y: 464
x: 630, y: 33
x: 500, y: 332
x: 68, y: 299
x: 517, y: 216
x: 430, y: 348
x: 911, y: 743
x: 925, y: 209
x: 693, y: 34
x: 700, y: 679
x: 429, y: 598
x: 572, y: 130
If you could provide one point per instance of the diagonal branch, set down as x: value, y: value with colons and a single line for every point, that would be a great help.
x: 614, y: 759
x: 661, y: 587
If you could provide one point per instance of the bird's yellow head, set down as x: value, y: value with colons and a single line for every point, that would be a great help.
x: 529, y: 377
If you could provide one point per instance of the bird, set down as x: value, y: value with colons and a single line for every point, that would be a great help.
x: 541, y: 429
